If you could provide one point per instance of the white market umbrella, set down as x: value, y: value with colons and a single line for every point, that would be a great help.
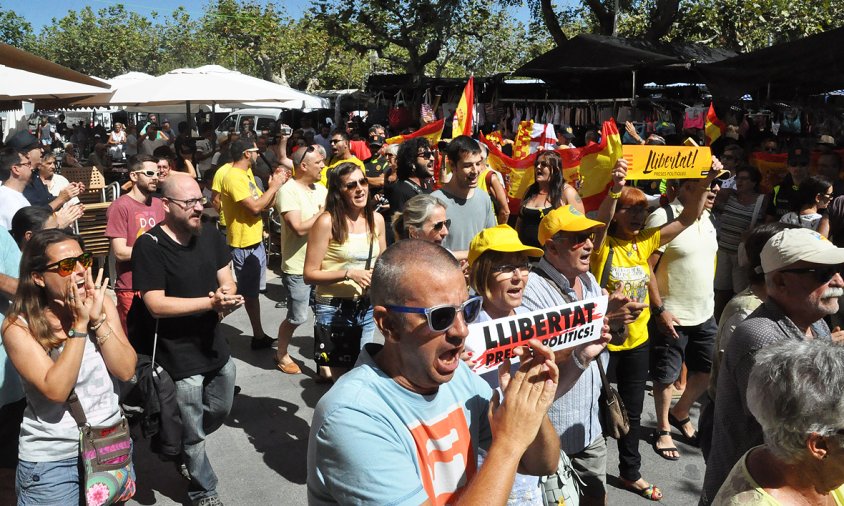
x: 209, y: 84
x: 17, y: 84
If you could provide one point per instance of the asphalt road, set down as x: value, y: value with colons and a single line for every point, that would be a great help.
x: 260, y: 452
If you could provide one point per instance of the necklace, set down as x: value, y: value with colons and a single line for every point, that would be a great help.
x: 634, y: 247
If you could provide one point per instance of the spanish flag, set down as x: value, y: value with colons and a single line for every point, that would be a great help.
x: 463, y: 116
x: 431, y: 131
x: 714, y: 127
x: 588, y: 168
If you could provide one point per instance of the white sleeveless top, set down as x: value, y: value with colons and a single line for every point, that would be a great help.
x: 48, y: 432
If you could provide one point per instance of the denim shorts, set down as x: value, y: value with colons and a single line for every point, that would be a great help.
x: 298, y: 298
x: 250, y: 268
x: 346, y: 312
x: 49, y: 483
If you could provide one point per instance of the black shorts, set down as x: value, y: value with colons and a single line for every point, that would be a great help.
x: 694, y: 347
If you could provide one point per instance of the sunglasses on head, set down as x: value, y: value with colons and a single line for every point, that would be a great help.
x: 65, y: 266
x: 822, y: 275
x: 440, y: 224
x: 351, y: 185
x: 441, y: 318
x: 148, y: 172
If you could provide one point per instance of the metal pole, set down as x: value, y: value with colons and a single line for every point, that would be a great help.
x: 190, y: 118
x: 633, y: 91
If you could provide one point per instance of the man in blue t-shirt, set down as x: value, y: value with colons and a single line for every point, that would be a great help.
x: 405, y: 425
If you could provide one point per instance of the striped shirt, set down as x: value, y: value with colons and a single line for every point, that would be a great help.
x: 734, y: 222
x: 574, y: 415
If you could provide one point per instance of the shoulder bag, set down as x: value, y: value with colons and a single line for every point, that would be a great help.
x: 614, y: 421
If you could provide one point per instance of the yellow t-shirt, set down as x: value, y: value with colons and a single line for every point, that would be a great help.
x: 740, y: 488
x: 335, y: 162
x: 243, y: 228
x: 217, y: 185
x: 352, y: 254
x: 630, y: 270
x: 295, y: 196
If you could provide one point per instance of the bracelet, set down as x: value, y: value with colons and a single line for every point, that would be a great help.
x: 346, y: 275
x: 99, y: 324
x: 101, y: 340
x: 614, y: 195
x: 577, y: 362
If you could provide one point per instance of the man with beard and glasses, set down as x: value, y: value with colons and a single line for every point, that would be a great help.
x: 181, y: 269
x: 127, y: 218
x: 414, y: 170
x: 803, y: 285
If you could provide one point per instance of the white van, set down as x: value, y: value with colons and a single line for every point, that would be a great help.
x: 262, y: 119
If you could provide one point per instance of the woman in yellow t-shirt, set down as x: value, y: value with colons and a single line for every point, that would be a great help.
x: 795, y: 392
x: 625, y: 209
x: 343, y: 244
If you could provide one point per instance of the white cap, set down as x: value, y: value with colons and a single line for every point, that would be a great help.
x: 799, y: 244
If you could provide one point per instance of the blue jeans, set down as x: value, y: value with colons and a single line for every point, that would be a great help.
x: 345, y: 313
x: 205, y: 400
x: 48, y: 483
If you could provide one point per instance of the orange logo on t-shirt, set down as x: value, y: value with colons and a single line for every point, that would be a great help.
x: 447, y: 460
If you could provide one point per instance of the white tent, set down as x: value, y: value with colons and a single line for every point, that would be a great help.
x: 17, y: 84
x: 210, y: 84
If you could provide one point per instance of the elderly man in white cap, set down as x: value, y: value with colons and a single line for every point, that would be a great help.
x: 803, y: 285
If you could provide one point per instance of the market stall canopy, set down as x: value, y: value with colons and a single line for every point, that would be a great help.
x: 590, y: 63
x: 205, y: 85
x: 17, y: 84
x: 807, y: 66
x: 11, y: 56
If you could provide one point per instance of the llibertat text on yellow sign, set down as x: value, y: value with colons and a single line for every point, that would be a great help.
x: 666, y: 162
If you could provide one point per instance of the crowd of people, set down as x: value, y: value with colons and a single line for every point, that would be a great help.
x: 721, y: 293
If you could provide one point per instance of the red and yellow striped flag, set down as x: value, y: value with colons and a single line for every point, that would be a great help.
x: 589, y: 167
x: 521, y: 145
x: 463, y: 115
x: 431, y: 131
x: 714, y: 127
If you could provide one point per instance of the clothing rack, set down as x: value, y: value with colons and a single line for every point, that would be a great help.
x: 565, y: 101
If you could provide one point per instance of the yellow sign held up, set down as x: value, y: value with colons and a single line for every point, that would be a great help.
x: 666, y: 162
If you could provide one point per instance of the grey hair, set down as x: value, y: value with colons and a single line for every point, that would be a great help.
x: 796, y: 389
x: 389, y: 285
x: 416, y: 212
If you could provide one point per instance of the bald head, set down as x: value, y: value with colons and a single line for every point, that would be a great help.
x: 390, y: 279
x: 179, y: 184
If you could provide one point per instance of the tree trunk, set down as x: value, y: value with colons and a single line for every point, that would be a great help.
x: 605, y: 16
x: 662, y: 18
x: 552, y: 23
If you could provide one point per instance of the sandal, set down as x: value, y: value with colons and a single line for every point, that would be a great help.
x: 651, y: 493
x: 679, y: 424
x: 662, y: 452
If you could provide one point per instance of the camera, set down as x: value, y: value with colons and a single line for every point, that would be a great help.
x: 285, y: 130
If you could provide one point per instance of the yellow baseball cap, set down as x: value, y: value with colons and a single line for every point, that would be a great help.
x: 500, y: 238
x: 564, y: 219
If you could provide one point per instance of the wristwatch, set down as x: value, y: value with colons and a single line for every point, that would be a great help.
x: 658, y: 310
x: 73, y: 333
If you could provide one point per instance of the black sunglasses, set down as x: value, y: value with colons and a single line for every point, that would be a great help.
x: 440, y: 224
x: 822, y: 275
x: 425, y: 154
x: 577, y: 238
x: 65, y: 266
x: 441, y: 318
x: 351, y: 185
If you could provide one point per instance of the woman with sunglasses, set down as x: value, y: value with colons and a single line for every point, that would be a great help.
x: 548, y: 192
x: 343, y: 245
x: 63, y: 335
x: 813, y: 196
x: 625, y: 209
x: 423, y: 218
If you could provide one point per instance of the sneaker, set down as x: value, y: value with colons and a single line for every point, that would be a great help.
x: 262, y: 342
x: 213, y: 500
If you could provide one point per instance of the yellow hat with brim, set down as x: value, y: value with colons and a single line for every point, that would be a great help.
x: 564, y: 219
x: 500, y: 238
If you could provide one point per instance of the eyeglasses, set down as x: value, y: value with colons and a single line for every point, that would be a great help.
x: 510, y: 269
x: 65, y: 266
x: 425, y: 154
x: 189, y: 203
x: 822, y: 275
x: 577, y: 239
x: 335, y: 141
x: 351, y: 185
x: 826, y: 196
x: 24, y: 164
x: 440, y: 224
x: 148, y: 172
x: 441, y: 318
